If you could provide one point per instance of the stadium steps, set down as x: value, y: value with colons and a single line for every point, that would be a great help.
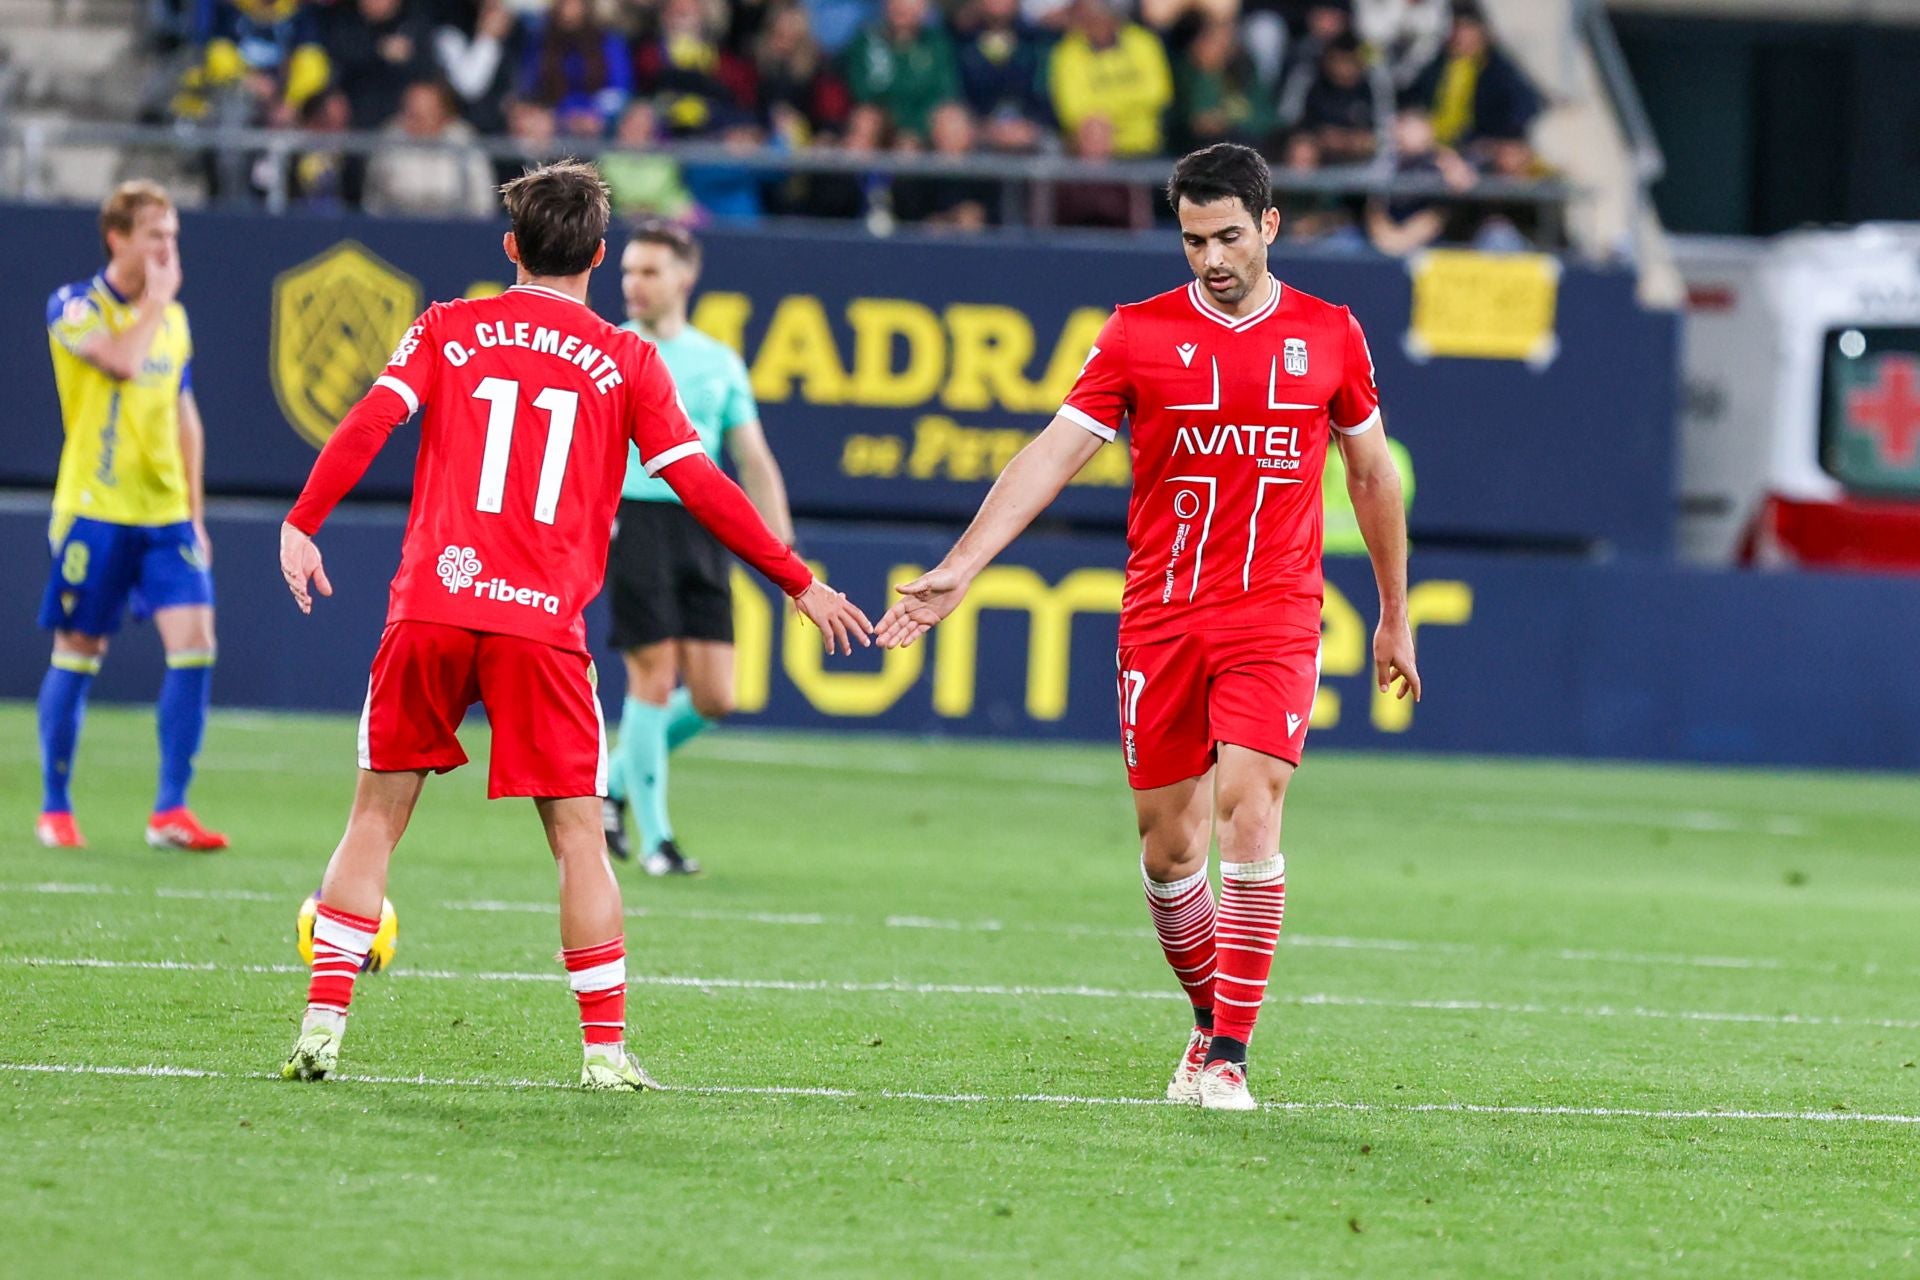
x: 84, y: 60
x: 29, y: 13
x: 1581, y: 135
x: 83, y: 174
x: 83, y: 70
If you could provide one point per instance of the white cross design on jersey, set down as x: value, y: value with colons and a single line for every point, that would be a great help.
x: 1212, y: 405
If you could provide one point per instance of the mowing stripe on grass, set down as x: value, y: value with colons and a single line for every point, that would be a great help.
x: 1022, y: 992
x: 814, y: 919
x: 737, y: 750
x: 159, y: 1071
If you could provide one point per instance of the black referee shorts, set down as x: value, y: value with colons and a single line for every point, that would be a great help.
x: 669, y: 578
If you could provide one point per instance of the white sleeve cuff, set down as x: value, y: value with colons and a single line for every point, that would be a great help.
x: 1088, y: 421
x: 660, y: 461
x: 1361, y: 428
x: 400, y: 389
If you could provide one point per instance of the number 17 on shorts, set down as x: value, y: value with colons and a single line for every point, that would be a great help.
x: 1182, y: 697
x: 1132, y: 685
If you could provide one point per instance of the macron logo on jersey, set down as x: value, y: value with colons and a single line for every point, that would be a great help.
x: 459, y: 570
x: 1186, y: 350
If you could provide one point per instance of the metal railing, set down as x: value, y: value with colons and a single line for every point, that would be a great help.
x: 1027, y: 182
x: 1649, y: 161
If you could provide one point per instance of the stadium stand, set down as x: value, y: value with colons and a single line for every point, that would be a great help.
x: 1047, y: 113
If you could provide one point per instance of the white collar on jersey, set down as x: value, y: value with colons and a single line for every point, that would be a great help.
x: 1235, y: 323
x: 551, y: 293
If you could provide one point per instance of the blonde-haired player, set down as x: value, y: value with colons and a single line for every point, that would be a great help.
x: 128, y: 515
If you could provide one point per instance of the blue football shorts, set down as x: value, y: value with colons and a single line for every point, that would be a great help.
x: 101, y: 570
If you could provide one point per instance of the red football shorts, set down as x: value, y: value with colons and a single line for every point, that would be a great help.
x: 548, y: 736
x: 1180, y: 697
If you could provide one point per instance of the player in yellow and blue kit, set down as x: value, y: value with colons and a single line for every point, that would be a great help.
x: 128, y: 525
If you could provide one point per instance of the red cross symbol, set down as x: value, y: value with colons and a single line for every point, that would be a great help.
x: 1889, y: 410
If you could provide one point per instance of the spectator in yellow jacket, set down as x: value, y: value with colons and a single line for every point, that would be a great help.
x: 263, y: 57
x: 1114, y: 70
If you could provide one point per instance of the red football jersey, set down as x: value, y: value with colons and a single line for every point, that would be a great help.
x: 1229, y: 419
x: 529, y: 401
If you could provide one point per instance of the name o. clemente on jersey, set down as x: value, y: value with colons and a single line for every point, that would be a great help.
x: 557, y: 343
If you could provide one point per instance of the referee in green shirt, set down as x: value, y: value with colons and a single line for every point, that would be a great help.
x: 672, y: 601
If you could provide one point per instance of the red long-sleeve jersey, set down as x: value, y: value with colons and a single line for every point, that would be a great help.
x: 527, y: 402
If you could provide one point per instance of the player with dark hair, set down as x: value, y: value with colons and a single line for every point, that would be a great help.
x: 129, y: 519
x: 1232, y: 389
x: 669, y: 577
x: 528, y: 402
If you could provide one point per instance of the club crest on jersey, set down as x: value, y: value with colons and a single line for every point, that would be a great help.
x: 335, y: 318
x: 1293, y: 357
x: 1186, y: 350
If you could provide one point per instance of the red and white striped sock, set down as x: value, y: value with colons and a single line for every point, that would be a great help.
x: 1183, y: 919
x: 598, y: 976
x: 341, y: 941
x: 1253, y: 898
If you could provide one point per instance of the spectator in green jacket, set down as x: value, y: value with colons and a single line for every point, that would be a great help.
x: 1220, y: 97
x: 903, y: 67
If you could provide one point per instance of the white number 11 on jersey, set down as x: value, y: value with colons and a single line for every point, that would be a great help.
x: 503, y: 402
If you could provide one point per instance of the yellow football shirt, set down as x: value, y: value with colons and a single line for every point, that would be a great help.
x: 121, y: 462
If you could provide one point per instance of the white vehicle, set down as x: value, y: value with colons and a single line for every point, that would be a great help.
x: 1800, y: 431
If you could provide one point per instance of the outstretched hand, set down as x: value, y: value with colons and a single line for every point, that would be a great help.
x: 838, y: 618
x: 300, y: 563
x: 924, y: 601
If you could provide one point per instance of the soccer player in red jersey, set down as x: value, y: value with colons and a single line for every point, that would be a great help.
x: 1232, y: 388
x: 527, y: 402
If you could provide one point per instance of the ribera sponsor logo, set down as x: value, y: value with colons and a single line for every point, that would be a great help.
x: 459, y: 569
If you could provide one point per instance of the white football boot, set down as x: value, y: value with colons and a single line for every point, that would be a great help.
x: 1185, y: 1085
x: 611, y: 1069
x: 1223, y: 1087
x: 317, y: 1052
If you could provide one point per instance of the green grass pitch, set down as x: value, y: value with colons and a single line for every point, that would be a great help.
x: 1530, y: 1020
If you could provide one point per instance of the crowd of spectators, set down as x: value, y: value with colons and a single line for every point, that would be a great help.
x: 1418, y: 87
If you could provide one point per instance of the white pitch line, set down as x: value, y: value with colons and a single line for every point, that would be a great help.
x: 1017, y: 992
x: 1330, y: 941
x: 162, y: 1072
x: 722, y: 915
x: 814, y: 919
x: 189, y: 894
x: 218, y: 895
x: 1693, y: 821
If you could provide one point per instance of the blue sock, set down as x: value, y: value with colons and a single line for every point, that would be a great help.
x: 182, y: 721
x: 643, y: 758
x: 63, y: 705
x: 683, y: 723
